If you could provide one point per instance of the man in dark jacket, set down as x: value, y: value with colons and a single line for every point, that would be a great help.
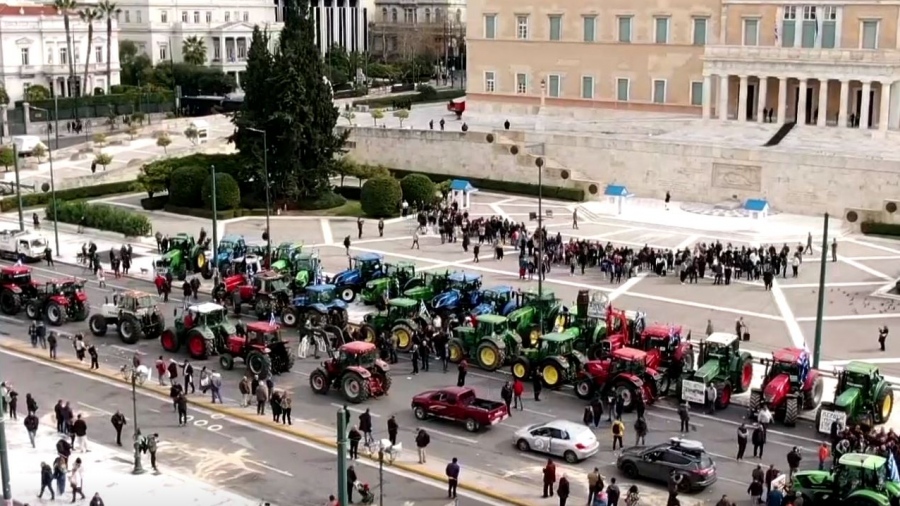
x: 365, y: 425
x: 355, y: 437
x: 793, y: 460
x: 46, y: 481
x: 562, y: 490
x: 351, y: 483
x: 31, y: 425
x: 612, y: 492
x: 31, y: 405
x: 537, y: 385
x: 60, y: 423
x: 118, y: 422
x: 422, y: 442
x: 506, y: 394
x: 758, y: 438
x: 80, y: 429
x: 452, y: 473
x: 392, y: 429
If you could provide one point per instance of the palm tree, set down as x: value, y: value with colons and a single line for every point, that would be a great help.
x: 110, y: 10
x: 65, y: 7
x: 89, y: 15
x: 193, y: 50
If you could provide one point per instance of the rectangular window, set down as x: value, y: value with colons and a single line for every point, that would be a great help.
x: 810, y: 27
x: 623, y: 89
x: 138, y: 17
x: 554, y: 86
x: 697, y: 93
x: 489, y: 82
x: 659, y: 91
x: 128, y: 16
x: 587, y: 87
x: 196, y: 16
x: 98, y: 54
x: 869, y: 34
x: 829, y: 26
x: 590, y: 28
x: 700, y: 27
x: 788, y: 26
x: 76, y: 51
x: 208, y: 17
x: 624, y: 28
x: 751, y: 32
x: 521, y: 84
x: 521, y: 27
x: 184, y: 16
x: 555, y: 27
x: 490, y: 26
x: 246, y: 16
x: 50, y: 57
x: 662, y: 30
x: 25, y: 59
x: 63, y: 56
x: 163, y: 52
x: 227, y: 16
x: 164, y: 16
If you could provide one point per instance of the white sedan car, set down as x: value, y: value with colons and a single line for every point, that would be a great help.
x: 569, y: 440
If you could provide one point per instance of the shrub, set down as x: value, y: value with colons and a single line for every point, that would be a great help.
x: 84, y: 192
x: 103, y: 159
x: 155, y: 203
x: 203, y: 213
x: 349, y: 192
x: 328, y: 200
x: 417, y: 188
x: 419, y: 98
x: 875, y: 228
x: 102, y: 217
x: 186, y: 185
x: 380, y: 197
x: 228, y: 195
x: 511, y: 187
x: 164, y: 141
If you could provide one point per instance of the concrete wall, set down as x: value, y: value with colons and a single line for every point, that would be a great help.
x: 803, y: 183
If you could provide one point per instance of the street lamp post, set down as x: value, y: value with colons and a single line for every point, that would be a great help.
x: 543, y: 92
x: 137, y: 438
x: 266, y: 180
x: 215, y: 227
x: 18, y: 186
x: 52, y: 179
x: 539, y: 162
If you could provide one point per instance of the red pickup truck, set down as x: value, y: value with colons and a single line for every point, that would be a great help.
x: 459, y: 404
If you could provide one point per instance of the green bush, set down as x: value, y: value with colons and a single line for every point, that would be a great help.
x: 228, y: 195
x: 550, y: 192
x: 875, y: 228
x: 156, y: 203
x: 349, y: 192
x: 380, y: 197
x: 417, y: 188
x: 418, y: 98
x: 85, y: 192
x: 101, y: 217
x: 203, y: 213
x: 328, y: 200
x: 187, y: 184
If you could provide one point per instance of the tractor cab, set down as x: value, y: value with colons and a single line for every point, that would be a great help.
x: 231, y: 246
x: 792, y: 362
x: 321, y: 294
x: 269, y: 283
x: 182, y: 242
x: 557, y: 343
x: 355, y: 354
x: 489, y: 324
x: 135, y: 302
x: 286, y: 255
x: 16, y: 275
x: 856, y: 478
x: 207, y: 314
x: 861, y: 376
x: 633, y: 361
x: 370, y: 265
x: 403, y: 272
x: 264, y: 333
x: 720, y: 346
x: 500, y: 300
x: 402, y: 308
x: 855, y: 471
x: 72, y: 289
x: 462, y: 291
x: 307, y: 262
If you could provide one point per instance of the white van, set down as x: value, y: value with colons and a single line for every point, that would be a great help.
x: 25, y: 144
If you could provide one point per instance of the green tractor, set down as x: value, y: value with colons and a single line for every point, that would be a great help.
x: 284, y: 256
x: 862, y: 396
x: 722, y: 364
x: 537, y: 314
x: 184, y: 257
x: 590, y: 319
x: 303, y: 267
x: 399, y: 278
x: 490, y: 343
x: 204, y: 329
x: 433, y: 283
x: 554, y: 358
x: 857, y: 479
x: 403, y: 317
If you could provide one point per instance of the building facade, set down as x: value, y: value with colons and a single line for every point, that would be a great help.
x: 405, y: 28
x: 33, y: 51
x: 344, y: 23
x: 822, y: 63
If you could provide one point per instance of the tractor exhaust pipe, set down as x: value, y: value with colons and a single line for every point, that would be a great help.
x: 582, y: 302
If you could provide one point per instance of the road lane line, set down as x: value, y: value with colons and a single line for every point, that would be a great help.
x: 270, y: 468
x: 625, y: 287
x: 327, y: 235
x: 454, y: 436
x: 95, y: 408
x: 355, y: 410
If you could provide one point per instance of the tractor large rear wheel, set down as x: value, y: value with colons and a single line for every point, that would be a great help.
x: 584, y: 389
x: 724, y: 392
x: 10, y: 303
x: 884, y: 405
x: 129, y: 329
x: 98, y: 325
x: 318, y: 381
x: 813, y: 397
x: 196, y: 345
x: 169, y: 341
x: 628, y: 391
x: 32, y: 310
x: 456, y: 350
x: 354, y: 388
x: 552, y: 374
x: 756, y: 400
x: 55, y: 314
x: 258, y: 363
x: 404, y: 334
x: 489, y: 356
x: 746, y: 373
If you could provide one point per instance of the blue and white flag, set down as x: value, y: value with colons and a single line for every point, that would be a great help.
x: 892, y: 474
x: 272, y: 318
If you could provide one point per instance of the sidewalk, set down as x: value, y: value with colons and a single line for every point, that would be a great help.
x: 107, y: 471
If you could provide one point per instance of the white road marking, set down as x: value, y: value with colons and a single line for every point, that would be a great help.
x: 626, y: 286
x: 624, y: 230
x: 794, y: 330
x: 828, y: 285
x: 95, y: 408
x: 874, y: 316
x: 355, y: 410
x: 327, y: 235
x: 873, y: 246
x: 214, y: 428
x: 689, y: 240
x: 447, y: 434
x: 875, y: 361
x: 270, y: 468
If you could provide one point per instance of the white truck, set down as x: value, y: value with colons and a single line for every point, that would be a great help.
x: 29, y: 244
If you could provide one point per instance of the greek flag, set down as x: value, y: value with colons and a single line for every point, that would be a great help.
x: 272, y: 318
x: 423, y: 311
x: 892, y: 473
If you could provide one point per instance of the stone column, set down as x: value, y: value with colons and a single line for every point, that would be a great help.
x: 763, y: 94
x: 782, y: 100
x: 822, y: 106
x: 885, y: 110
x: 723, y: 97
x: 801, y: 103
x: 742, y: 100
x: 864, y: 107
x: 842, y: 112
x: 707, y: 96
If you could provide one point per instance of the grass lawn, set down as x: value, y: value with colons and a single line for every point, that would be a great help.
x: 351, y: 208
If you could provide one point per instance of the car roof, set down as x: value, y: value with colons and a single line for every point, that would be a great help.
x: 491, y: 318
x: 358, y: 347
x: 263, y: 327
x: 500, y: 289
x: 403, y: 302
x: 464, y: 277
x: 632, y: 354
x: 565, y: 425
x: 721, y: 338
x: 368, y: 257
x: 789, y: 355
x: 16, y: 270
x: 206, y: 307
x: 320, y: 288
x: 557, y: 337
x: 863, y: 460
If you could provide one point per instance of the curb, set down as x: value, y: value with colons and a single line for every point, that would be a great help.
x: 68, y: 363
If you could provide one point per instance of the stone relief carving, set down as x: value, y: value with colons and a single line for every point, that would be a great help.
x: 737, y: 177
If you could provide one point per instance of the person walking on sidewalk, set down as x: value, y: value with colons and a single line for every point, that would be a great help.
x: 286, y: 408
x: 181, y: 407
x: 31, y: 405
x: 152, y: 446
x: 31, y: 425
x: 549, y: 478
x: 452, y: 473
x: 76, y: 480
x: 53, y: 343
x: 393, y: 428
x: 80, y: 428
x: 95, y: 360
x: 187, y: 370
x: 59, y: 474
x: 518, y: 389
x: 262, y: 396
x: 46, y: 481
x: 161, y: 371
x: 354, y: 437
x: 118, y: 422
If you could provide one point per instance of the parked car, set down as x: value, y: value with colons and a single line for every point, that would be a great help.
x: 461, y: 405
x: 683, y: 456
x: 572, y: 441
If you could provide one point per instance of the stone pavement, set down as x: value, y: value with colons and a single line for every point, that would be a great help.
x: 107, y: 471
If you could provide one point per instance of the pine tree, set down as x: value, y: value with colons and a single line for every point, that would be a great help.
x: 259, y: 103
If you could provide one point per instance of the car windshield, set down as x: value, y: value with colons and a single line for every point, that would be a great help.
x: 144, y: 301
x: 856, y: 379
x: 39, y: 243
x: 323, y: 296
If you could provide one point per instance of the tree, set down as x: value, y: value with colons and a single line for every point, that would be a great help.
x: 193, y: 50
x: 377, y: 114
x: 112, y: 118
x: 39, y: 151
x: 4, y: 96
x: 65, y: 8
x: 337, y: 65
x: 192, y: 134
x: 401, y: 114
x: 137, y: 69
x: 99, y: 138
x: 37, y: 93
x: 349, y: 116
x: 156, y: 177
x: 164, y: 141
x: 345, y: 167
x: 109, y: 10
x: 88, y: 15
x: 103, y: 159
x: 380, y: 197
x: 228, y: 194
x: 133, y: 131
x: 417, y: 188
x: 7, y: 157
x: 138, y: 117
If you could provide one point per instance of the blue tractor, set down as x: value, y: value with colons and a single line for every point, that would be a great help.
x: 364, y: 268
x: 462, y: 294
x: 318, y: 303
x: 230, y: 247
x: 499, y: 300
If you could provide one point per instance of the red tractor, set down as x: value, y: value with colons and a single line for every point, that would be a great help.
x: 789, y: 385
x: 263, y: 350
x: 266, y: 292
x: 627, y: 372
x: 16, y: 288
x: 59, y: 301
x: 356, y: 371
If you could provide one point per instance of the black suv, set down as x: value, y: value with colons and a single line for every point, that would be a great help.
x: 682, y: 456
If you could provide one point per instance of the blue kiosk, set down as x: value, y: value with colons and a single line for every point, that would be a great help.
x: 616, y: 195
x: 757, y: 209
x: 461, y: 192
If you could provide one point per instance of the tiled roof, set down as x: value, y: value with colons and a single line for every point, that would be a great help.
x: 27, y: 10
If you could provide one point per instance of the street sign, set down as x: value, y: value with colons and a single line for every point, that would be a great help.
x: 826, y: 418
x: 693, y: 391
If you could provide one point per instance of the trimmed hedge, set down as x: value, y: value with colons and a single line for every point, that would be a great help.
x: 102, y: 217
x: 550, y: 192
x: 403, y: 101
x: 85, y: 192
x: 417, y: 188
x: 875, y: 228
x: 328, y: 200
x: 156, y: 203
x: 203, y: 213
x: 380, y: 197
x: 228, y: 195
x: 349, y: 192
x: 187, y: 184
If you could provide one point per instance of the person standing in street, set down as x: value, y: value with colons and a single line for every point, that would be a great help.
x: 562, y: 490
x: 187, y: 370
x: 118, y: 422
x: 365, y: 426
x: 452, y: 473
x: 286, y: 408
x: 461, y: 370
x: 46, y: 481
x: 793, y: 459
x: 181, y: 408
x: 613, y: 493
x: 76, y: 480
x: 549, y: 478
x: 618, y: 433
x: 742, y: 434
x: 31, y: 425
x: 59, y: 474
x: 95, y: 360
x: 52, y: 343
x: 882, y: 337
x: 537, y: 385
x: 685, y: 416
x: 422, y: 442
x: 824, y: 453
x: 152, y: 446
x: 392, y: 428
x: 351, y: 483
x: 506, y: 394
x: 80, y: 429
x: 354, y: 437
x: 161, y: 371
x: 31, y: 405
x: 758, y: 438
x: 711, y: 396
x: 518, y: 389
x: 262, y: 396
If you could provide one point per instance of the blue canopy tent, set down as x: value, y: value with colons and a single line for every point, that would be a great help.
x: 757, y: 208
x: 461, y: 192
x: 616, y: 195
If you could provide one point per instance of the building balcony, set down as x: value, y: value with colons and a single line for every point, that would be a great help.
x: 801, y: 62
